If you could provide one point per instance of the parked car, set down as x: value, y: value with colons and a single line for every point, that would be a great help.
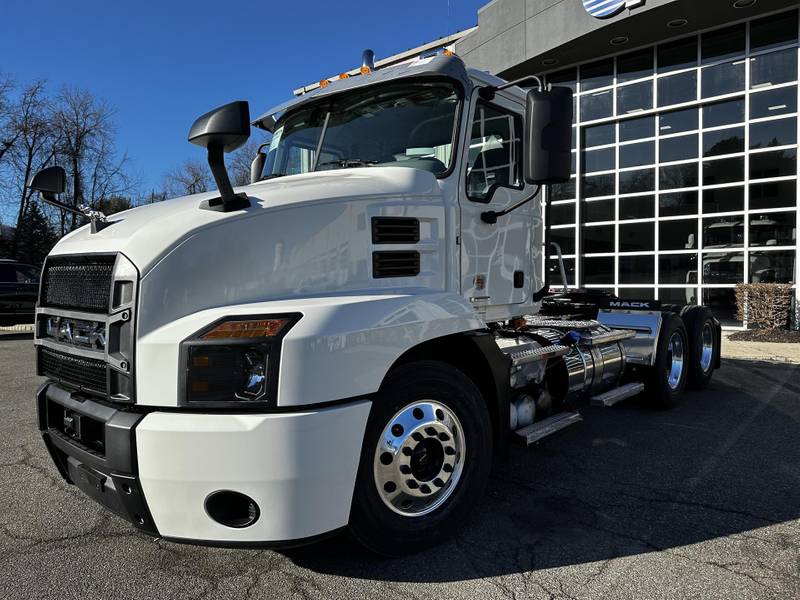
x: 19, y: 287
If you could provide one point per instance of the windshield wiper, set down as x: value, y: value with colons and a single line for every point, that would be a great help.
x: 347, y: 163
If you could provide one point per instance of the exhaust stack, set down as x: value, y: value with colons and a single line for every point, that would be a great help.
x: 368, y: 60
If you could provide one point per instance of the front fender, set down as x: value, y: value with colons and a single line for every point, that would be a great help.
x: 341, y: 348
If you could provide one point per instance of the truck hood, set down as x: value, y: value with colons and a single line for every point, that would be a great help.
x: 146, y: 233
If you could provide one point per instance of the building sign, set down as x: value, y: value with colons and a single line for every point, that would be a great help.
x: 608, y: 8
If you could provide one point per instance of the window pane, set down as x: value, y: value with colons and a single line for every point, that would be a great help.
x: 636, y: 129
x: 599, y: 135
x: 635, y: 97
x: 725, y: 78
x: 637, y: 237
x: 637, y: 155
x: 774, y: 31
x: 598, y: 239
x: 773, y: 133
x: 678, y: 295
x: 597, y: 106
x: 772, y: 267
x: 631, y: 182
x: 773, y: 164
x: 677, y: 88
x: 723, y: 232
x: 562, y: 214
x: 773, y: 68
x: 723, y: 199
x: 637, y: 207
x: 598, y: 185
x: 773, y: 229
x: 775, y: 194
x: 637, y: 293
x: 723, y: 43
x: 555, y: 271
x: 637, y: 269
x: 494, y: 152
x: 598, y: 270
x: 564, y: 238
x: 677, y: 268
x: 677, y: 55
x: 598, y: 210
x: 597, y: 75
x: 678, y: 176
x: 683, y: 147
x: 723, y: 305
x: 677, y: 235
x: 599, y: 160
x: 723, y: 113
x: 562, y: 191
x: 727, y: 170
x: 678, y: 121
x: 723, y: 141
x: 635, y: 65
x: 771, y: 103
x: 680, y: 203
x: 723, y: 267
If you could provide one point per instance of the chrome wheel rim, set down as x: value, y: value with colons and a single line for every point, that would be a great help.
x: 419, y: 458
x: 707, y: 353
x: 675, y: 360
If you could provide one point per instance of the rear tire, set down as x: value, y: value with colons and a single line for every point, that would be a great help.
x: 425, y: 459
x: 667, y: 378
x: 704, y: 345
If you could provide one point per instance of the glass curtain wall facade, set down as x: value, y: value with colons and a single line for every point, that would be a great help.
x: 685, y: 167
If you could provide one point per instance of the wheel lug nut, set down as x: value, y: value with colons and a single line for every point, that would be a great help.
x: 405, y: 469
x: 450, y: 451
x: 425, y: 489
x: 438, y: 482
x: 412, y: 484
x: 447, y: 468
x: 417, y: 436
x: 430, y: 431
x: 406, y: 451
x: 444, y: 437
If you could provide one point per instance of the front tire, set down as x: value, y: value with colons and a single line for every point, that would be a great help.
x: 425, y: 459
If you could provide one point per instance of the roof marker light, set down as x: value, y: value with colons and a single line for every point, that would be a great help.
x: 324, y: 83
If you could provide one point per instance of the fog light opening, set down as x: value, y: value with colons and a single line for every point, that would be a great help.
x: 232, y: 509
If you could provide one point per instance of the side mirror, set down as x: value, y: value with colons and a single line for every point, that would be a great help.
x: 49, y: 182
x: 548, y: 136
x: 257, y: 166
x: 223, y: 130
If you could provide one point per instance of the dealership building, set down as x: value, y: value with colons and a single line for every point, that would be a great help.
x: 685, y: 148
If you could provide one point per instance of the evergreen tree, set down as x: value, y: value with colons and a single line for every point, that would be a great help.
x: 34, y: 237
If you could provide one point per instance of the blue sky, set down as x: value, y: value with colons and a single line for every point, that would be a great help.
x: 161, y: 64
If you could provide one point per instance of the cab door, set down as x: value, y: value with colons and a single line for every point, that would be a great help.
x: 496, y: 262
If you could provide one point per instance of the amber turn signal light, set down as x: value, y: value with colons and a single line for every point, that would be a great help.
x: 256, y: 328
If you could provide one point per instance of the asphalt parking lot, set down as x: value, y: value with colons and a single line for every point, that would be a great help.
x: 699, y: 502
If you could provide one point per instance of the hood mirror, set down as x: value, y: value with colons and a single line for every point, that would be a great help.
x: 50, y: 182
x: 222, y: 130
x: 257, y: 166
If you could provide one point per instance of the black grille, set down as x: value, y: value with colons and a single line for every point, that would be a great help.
x: 86, y: 374
x: 395, y: 263
x: 78, y: 282
x: 395, y: 230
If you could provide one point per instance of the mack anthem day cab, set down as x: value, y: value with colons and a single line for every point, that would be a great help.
x: 348, y: 341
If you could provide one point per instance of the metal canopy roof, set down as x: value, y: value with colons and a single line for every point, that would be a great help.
x: 434, y: 66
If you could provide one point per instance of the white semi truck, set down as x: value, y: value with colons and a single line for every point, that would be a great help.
x: 349, y: 341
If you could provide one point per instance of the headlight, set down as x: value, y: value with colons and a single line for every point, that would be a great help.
x: 235, y: 361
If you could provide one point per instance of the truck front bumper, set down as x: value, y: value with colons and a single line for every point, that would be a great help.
x: 158, y: 469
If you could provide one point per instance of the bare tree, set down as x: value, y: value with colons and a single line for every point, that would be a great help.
x: 240, y: 161
x: 191, y: 177
x: 86, y: 144
x: 7, y: 136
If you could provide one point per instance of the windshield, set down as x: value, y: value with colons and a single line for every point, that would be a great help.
x: 401, y: 125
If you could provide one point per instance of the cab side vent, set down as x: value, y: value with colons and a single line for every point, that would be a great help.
x: 395, y: 263
x: 395, y: 230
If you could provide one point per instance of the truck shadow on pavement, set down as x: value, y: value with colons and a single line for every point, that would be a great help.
x: 629, y: 480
